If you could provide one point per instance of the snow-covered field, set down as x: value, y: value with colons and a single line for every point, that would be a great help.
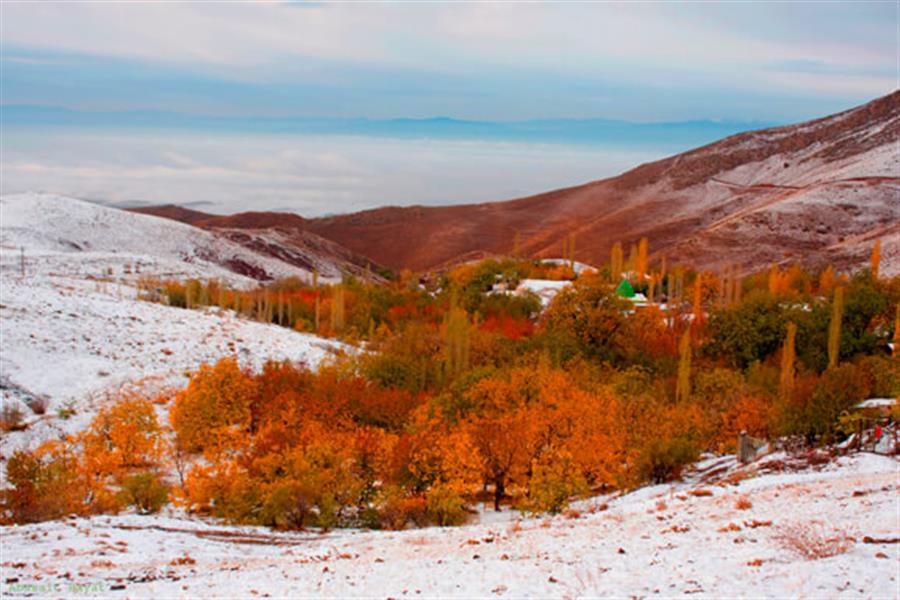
x: 68, y: 337
x: 659, y: 541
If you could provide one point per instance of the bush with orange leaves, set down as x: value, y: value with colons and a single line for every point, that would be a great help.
x: 110, y: 465
x: 215, y: 405
x: 750, y: 414
x: 123, y: 438
x: 529, y: 413
x: 45, y: 484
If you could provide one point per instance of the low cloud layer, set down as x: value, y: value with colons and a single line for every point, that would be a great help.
x: 309, y: 175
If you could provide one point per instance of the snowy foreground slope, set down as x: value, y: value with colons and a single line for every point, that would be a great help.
x: 659, y: 541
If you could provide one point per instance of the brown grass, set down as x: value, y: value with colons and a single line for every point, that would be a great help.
x: 753, y: 524
x: 756, y: 562
x: 572, y: 513
x: 743, y: 503
x: 813, y: 541
x: 12, y: 418
x: 183, y: 560
x: 700, y: 492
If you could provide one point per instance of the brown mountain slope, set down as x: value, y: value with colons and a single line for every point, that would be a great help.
x: 174, y: 212
x: 819, y: 191
x: 284, y: 236
x: 243, y: 220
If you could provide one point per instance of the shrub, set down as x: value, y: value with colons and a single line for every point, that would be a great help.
x: 122, y: 436
x: 662, y: 459
x: 748, y: 331
x: 553, y: 482
x: 12, y: 418
x: 813, y: 541
x: 398, y: 509
x: 216, y: 398
x: 444, y: 506
x: 145, y: 491
x: 44, y: 484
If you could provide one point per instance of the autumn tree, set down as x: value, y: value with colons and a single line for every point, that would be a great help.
x: 615, y: 262
x: 504, y: 430
x: 216, y: 401
x: 834, y: 327
x: 788, y: 355
x: 826, y: 281
x: 876, y: 258
x: 44, y: 484
x: 683, y: 387
x: 456, y: 339
x: 338, y: 308
x: 591, y: 316
x: 642, y: 259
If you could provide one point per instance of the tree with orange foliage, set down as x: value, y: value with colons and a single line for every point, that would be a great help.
x: 788, y: 354
x: 504, y: 429
x: 215, y: 405
x: 698, y: 299
x: 642, y: 259
x: 750, y: 414
x: 826, y: 281
x: 44, y: 484
x: 683, y: 387
x: 876, y: 258
x: 615, y: 262
x: 123, y: 437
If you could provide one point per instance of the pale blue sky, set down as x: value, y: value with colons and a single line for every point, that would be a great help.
x: 747, y: 63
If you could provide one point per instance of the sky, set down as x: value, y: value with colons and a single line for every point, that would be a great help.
x: 735, y: 66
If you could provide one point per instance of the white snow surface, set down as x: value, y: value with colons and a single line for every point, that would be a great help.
x: 545, y: 289
x: 76, y: 236
x: 71, y: 338
x: 657, y: 541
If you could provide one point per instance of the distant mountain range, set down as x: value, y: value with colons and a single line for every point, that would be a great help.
x: 674, y: 135
x: 818, y: 192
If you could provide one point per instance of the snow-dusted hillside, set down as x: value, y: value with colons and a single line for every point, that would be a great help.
x: 662, y: 541
x: 72, y: 329
x: 70, y: 235
x: 70, y: 342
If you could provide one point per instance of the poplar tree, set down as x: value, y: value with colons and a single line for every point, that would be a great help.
x: 631, y: 265
x: 698, y: 298
x: 826, y: 280
x: 642, y: 258
x: 834, y: 327
x: 337, y: 308
x: 876, y: 258
x: 456, y: 338
x: 683, y: 387
x: 788, y: 356
x: 615, y: 262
